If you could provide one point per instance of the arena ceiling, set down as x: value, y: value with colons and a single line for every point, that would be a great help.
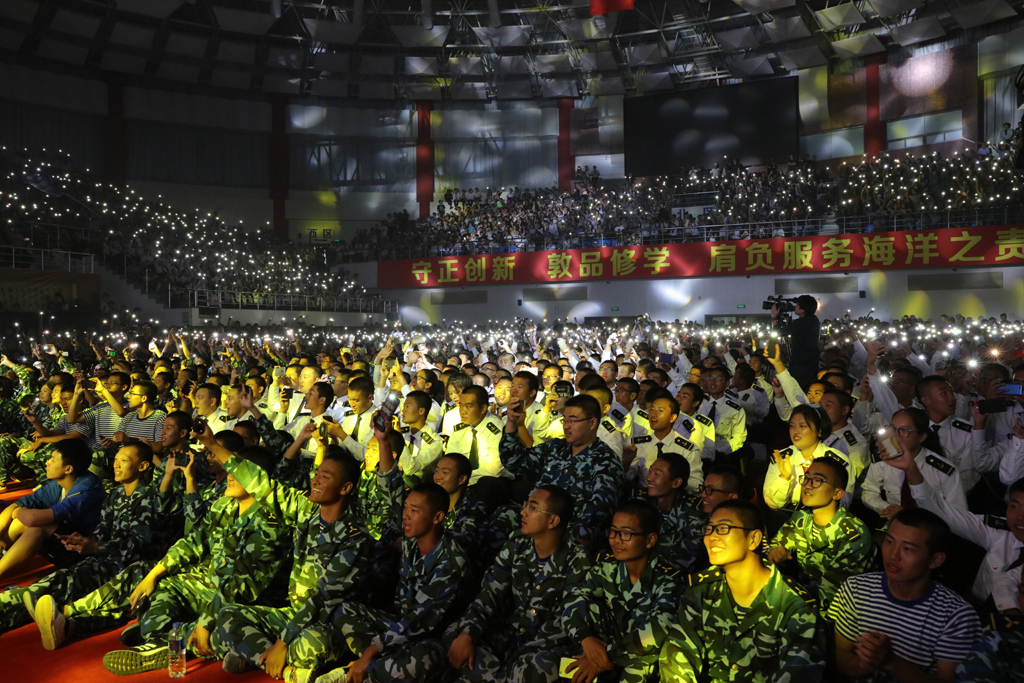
x: 472, y: 49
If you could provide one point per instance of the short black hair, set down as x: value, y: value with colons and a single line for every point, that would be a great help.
x: 361, y: 385
x: 74, y: 454
x: 747, y: 513
x: 421, y: 399
x: 937, y: 528
x: 924, y: 385
x: 673, y: 404
x: 646, y: 514
x: 808, y: 303
x: 258, y: 455
x: 678, y: 466
x: 479, y: 393
x: 143, y: 451
x: 148, y: 390
x: 463, y: 466
x: 531, y: 379
x: 350, y: 467
x: 698, y: 393
x: 182, y: 419
x: 732, y: 478
x: 588, y: 404
x: 840, y: 475
x: 845, y: 400
x: 437, y: 498
x: 559, y: 501
x: 212, y: 390
x: 591, y: 381
x: 602, y: 390
x: 230, y: 439
x: 249, y: 427
x: 632, y: 386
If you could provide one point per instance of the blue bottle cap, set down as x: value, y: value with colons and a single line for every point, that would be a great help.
x: 176, y: 624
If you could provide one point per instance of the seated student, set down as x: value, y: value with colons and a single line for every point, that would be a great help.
x: 230, y: 557
x: 594, y: 386
x: 578, y: 462
x: 331, y: 553
x: 513, y: 630
x: 620, y: 613
x: 826, y: 544
x: 122, y: 537
x: 477, y: 437
x: 680, y: 538
x: 644, y: 450
x: 742, y: 620
x: 69, y: 502
x: 691, y: 424
x: 899, y: 624
x: 999, y: 656
x: 808, y: 426
x: 423, y: 446
x: 1003, y: 539
x: 886, y: 490
x: 400, y: 643
x: 467, y: 516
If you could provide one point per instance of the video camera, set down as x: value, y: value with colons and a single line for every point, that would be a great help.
x: 782, y: 303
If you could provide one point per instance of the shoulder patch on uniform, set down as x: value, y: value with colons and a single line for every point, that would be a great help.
x: 850, y: 438
x: 609, y: 425
x: 460, y: 426
x: 834, y: 456
x: 788, y: 450
x: 642, y: 413
x: 997, y: 522
x: 704, y: 419
x: 404, y: 430
x: 758, y: 387
x: 940, y: 465
x: 224, y: 418
x: 493, y: 428
x: 733, y: 405
x: 680, y: 441
x: 688, y: 425
x: 963, y: 425
x: 617, y: 414
x: 666, y: 569
x: 606, y: 557
x: 708, y: 575
x: 427, y: 438
x: 353, y: 529
x: 799, y: 590
x: 642, y: 439
x: 444, y: 440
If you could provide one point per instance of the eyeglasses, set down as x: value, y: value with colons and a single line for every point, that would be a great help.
x: 723, y: 529
x: 903, y: 431
x: 711, y: 490
x: 139, y: 395
x: 530, y: 507
x: 714, y: 379
x: 626, y: 536
x: 573, y: 421
x: 812, y: 482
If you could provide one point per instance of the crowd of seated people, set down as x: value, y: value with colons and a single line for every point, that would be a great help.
x: 149, y: 242
x: 638, y: 502
x: 798, y: 197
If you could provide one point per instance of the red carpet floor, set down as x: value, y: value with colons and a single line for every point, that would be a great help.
x: 24, y: 659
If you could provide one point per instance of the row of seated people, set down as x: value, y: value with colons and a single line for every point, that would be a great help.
x: 525, y: 585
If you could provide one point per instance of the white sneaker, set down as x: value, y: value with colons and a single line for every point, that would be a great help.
x: 339, y: 675
x: 50, y: 619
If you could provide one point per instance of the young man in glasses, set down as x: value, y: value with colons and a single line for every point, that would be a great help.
x: 729, y: 417
x: 821, y: 544
x: 514, y: 628
x: 742, y: 620
x: 620, y: 614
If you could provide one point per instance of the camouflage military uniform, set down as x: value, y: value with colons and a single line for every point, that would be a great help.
x: 516, y: 620
x: 827, y: 555
x: 592, y: 478
x: 633, y: 619
x: 681, y: 540
x: 230, y: 557
x: 999, y: 656
x: 329, y: 567
x: 11, y: 462
x: 466, y: 524
x: 776, y: 639
x: 379, y: 494
x: 406, y: 635
x: 123, y: 536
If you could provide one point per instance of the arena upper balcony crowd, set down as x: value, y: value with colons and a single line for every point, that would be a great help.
x: 815, y: 501
x: 152, y: 242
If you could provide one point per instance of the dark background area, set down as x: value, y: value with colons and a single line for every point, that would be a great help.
x: 752, y: 121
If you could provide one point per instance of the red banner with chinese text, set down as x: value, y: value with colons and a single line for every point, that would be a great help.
x: 946, y: 247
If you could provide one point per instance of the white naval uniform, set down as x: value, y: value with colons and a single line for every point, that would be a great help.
x: 649, y: 447
x: 883, y: 483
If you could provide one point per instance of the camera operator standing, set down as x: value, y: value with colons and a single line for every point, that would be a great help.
x: 803, y: 332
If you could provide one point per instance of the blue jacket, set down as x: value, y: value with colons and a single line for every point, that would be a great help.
x: 80, y: 508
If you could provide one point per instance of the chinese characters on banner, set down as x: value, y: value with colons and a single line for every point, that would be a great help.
x: 946, y: 247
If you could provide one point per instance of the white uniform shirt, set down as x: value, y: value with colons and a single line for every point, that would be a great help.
x: 488, y: 436
x: 422, y: 450
x: 884, y: 483
x: 647, y: 451
x: 782, y: 493
x: 730, y: 425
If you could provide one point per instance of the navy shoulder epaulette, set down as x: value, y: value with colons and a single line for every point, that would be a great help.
x: 704, y: 419
x: 940, y: 464
x: 642, y: 439
x: 493, y: 428
x: 680, y: 441
x: 962, y: 425
x: 733, y: 405
x: 460, y: 426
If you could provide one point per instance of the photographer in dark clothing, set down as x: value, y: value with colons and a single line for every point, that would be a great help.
x: 803, y: 332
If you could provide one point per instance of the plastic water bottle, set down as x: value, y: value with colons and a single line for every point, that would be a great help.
x: 176, y: 654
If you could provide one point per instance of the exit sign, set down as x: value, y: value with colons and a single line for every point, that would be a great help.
x: 741, y: 305
x: 615, y: 308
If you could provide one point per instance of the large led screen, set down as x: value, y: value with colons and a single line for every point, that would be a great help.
x: 751, y: 121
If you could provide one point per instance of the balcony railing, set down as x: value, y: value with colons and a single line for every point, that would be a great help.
x: 45, y: 259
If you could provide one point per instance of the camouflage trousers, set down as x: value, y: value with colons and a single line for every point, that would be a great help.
x: 179, y: 598
x: 997, y: 658
x: 108, y: 606
x: 531, y: 666
x: 412, y: 661
x: 65, y: 585
x: 11, y: 464
x: 250, y: 630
